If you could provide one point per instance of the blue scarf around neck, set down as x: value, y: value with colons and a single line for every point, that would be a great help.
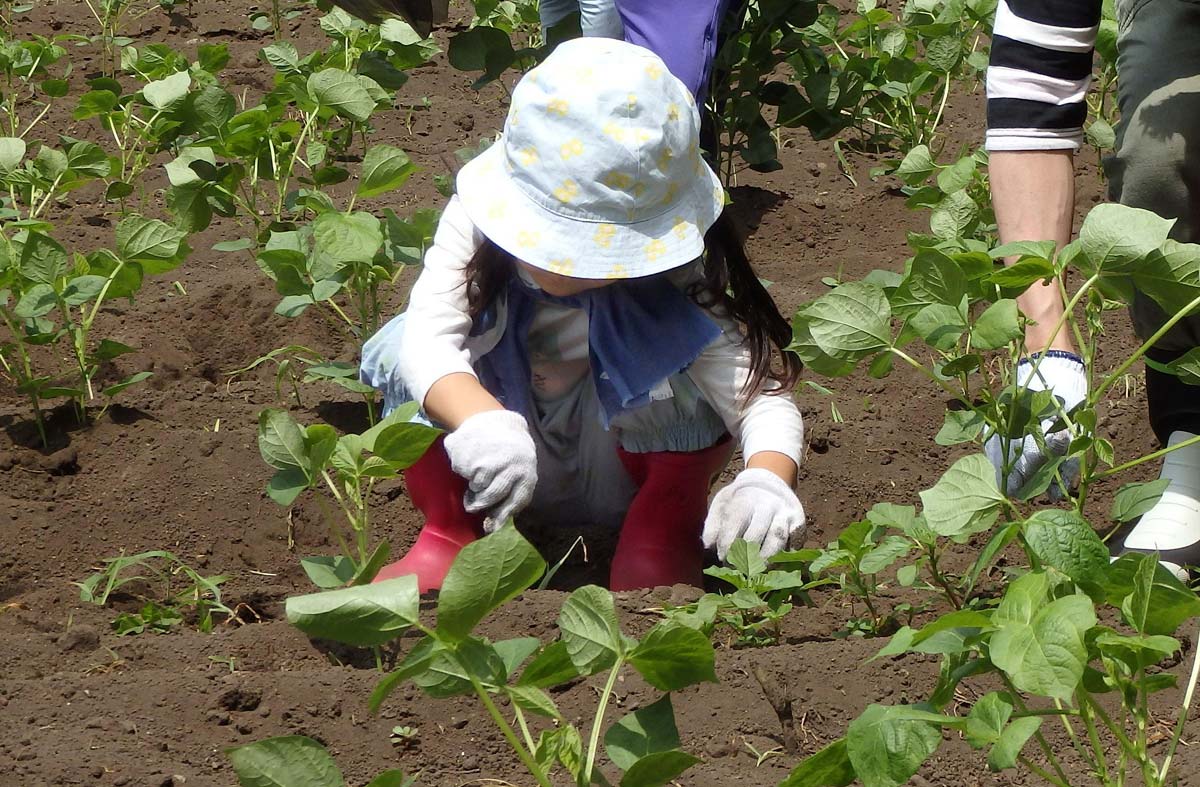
x: 640, y: 332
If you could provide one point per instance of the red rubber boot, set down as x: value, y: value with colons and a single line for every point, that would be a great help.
x: 660, y: 538
x: 437, y: 492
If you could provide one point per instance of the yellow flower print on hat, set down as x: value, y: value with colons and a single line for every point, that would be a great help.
x: 618, y: 271
x: 631, y: 102
x: 681, y: 227
x: 613, y: 130
x: 558, y: 106
x: 528, y: 239
x: 655, y: 249
x: 604, y: 235
x: 568, y: 191
x: 621, y: 181
x: 672, y: 111
x: 670, y: 194
x: 497, y: 210
x: 528, y: 156
x: 654, y: 71
x: 563, y: 267
x: 572, y: 148
x: 664, y: 159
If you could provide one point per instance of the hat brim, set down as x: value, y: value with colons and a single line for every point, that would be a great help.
x: 580, y: 248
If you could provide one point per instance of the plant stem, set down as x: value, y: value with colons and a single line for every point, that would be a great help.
x: 1161, y: 332
x: 1028, y: 763
x: 594, y: 739
x: 1183, y: 714
x: 1094, y: 740
x: 1147, y: 458
x: 507, y: 731
x: 921, y: 368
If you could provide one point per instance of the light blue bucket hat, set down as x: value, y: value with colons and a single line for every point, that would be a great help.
x: 598, y: 173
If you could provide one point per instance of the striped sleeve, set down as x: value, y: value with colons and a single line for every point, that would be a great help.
x: 1038, y: 78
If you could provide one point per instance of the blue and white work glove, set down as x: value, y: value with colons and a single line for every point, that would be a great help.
x: 1064, y: 374
x: 759, y: 507
x: 495, y: 453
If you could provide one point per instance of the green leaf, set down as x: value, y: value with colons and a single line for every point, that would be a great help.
x: 43, y: 259
x: 38, y: 301
x: 960, y: 426
x: 1065, y: 541
x: 659, y: 768
x: 328, y: 571
x: 162, y: 93
x: 365, y: 615
x: 551, y: 667
x: 887, y: 744
x: 384, y: 168
x: 129, y: 381
x: 1040, y: 645
x: 965, y: 499
x: 830, y: 767
x: 957, y: 176
x: 849, y: 323
x: 158, y: 246
x: 372, y: 565
x: 533, y: 700
x: 342, y: 92
x: 884, y: 555
x: 953, y: 216
x: 486, y: 574
x: 998, y: 325
x: 917, y: 166
x: 286, y: 485
x: 392, y: 778
x: 746, y: 558
x: 1116, y: 237
x: 1170, y: 601
x: 281, y: 441
x: 939, y: 325
x: 482, y: 48
x: 1133, y: 500
x: 403, y: 444
x: 588, y: 621
x: 672, y: 656
x: 108, y: 349
x: 12, y: 150
x: 646, y: 731
x: 180, y: 172
x: 1014, y: 737
x: 934, y: 278
x: 282, y: 55
x: 287, y: 761
x: 1170, y: 275
x: 987, y: 718
x: 347, y: 238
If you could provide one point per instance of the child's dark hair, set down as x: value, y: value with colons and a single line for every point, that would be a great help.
x: 730, y: 289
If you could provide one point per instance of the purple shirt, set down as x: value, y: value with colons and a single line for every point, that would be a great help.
x: 682, y: 32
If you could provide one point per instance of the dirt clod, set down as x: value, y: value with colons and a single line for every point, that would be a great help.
x: 240, y: 699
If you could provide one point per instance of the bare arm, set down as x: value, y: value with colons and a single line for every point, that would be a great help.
x: 456, y: 397
x: 779, y: 464
x: 1033, y: 193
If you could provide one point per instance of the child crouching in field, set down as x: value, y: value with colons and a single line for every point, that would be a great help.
x: 589, y: 332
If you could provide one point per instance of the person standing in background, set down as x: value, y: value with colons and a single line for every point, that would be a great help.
x: 1037, y: 82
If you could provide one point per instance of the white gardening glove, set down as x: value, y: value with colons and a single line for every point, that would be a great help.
x: 494, y: 451
x: 758, y: 506
x: 1064, y: 374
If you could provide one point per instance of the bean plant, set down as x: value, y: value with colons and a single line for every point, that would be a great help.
x: 952, y: 317
x: 763, y: 594
x: 199, y: 595
x: 450, y: 659
x: 346, y: 468
x: 35, y: 71
x: 48, y: 296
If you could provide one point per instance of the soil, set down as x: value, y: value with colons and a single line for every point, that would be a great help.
x: 176, y: 466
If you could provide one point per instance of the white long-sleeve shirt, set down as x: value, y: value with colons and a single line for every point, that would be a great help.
x: 436, y: 343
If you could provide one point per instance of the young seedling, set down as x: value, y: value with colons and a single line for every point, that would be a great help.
x: 762, y: 596
x: 449, y: 660
x: 200, y: 596
x: 346, y: 468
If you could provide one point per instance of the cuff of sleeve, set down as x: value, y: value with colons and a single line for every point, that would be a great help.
x: 1016, y: 140
x: 791, y: 446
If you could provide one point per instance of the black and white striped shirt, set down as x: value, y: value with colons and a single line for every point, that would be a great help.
x: 1040, y: 69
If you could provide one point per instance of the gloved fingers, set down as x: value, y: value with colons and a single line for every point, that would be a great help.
x: 1070, y: 475
x: 782, y: 526
x: 515, y: 503
x: 1058, y: 442
x: 762, y: 519
x: 718, y: 513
